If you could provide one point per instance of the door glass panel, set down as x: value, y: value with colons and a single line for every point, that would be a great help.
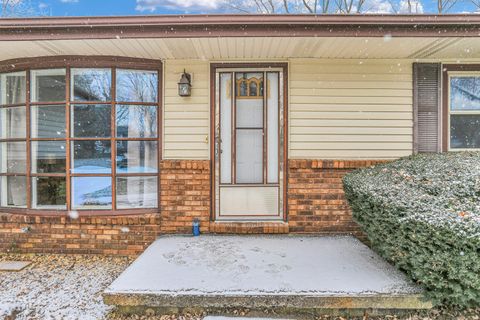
x: 249, y: 113
x: 249, y: 100
x: 48, y: 85
x: 13, y: 122
x: 226, y: 127
x: 272, y: 126
x: 249, y: 156
x: 249, y: 84
x: 48, y: 121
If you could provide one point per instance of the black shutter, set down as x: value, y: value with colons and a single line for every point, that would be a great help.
x: 426, y: 107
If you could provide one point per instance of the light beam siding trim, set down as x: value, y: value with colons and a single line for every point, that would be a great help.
x: 350, y: 109
x: 186, y: 119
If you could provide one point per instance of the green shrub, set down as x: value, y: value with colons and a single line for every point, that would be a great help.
x: 422, y: 213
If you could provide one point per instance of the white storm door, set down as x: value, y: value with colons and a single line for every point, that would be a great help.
x: 248, y: 145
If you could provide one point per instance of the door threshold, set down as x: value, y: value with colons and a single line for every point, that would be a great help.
x: 250, y: 221
x: 249, y: 227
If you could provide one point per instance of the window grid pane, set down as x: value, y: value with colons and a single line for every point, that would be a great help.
x: 464, y: 110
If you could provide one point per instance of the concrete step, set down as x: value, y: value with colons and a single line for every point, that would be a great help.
x: 285, y: 275
x: 284, y: 305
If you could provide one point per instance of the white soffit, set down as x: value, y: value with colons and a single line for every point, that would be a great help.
x: 252, y: 48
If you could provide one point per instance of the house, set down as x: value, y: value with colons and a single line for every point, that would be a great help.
x: 117, y: 129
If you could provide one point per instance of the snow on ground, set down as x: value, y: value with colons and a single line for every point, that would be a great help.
x: 58, y: 286
x: 256, y: 265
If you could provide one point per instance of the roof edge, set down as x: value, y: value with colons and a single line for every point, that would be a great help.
x: 238, y: 25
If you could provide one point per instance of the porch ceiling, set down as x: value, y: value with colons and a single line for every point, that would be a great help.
x: 219, y: 48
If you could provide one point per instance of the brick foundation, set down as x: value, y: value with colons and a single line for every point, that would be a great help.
x: 316, y: 202
x: 115, y: 235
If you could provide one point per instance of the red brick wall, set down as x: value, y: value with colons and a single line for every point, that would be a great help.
x: 316, y: 202
x: 116, y: 235
x: 185, y: 195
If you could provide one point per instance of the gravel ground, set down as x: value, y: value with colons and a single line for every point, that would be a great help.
x: 58, y: 286
x: 70, y: 287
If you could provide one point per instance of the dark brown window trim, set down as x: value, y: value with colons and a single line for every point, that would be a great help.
x: 213, y: 70
x: 238, y: 25
x: 68, y: 62
x: 445, y: 85
x: 78, y: 62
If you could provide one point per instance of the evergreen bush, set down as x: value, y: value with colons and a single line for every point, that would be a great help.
x: 422, y: 213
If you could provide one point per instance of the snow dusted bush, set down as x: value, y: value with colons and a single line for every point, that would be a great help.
x: 422, y: 213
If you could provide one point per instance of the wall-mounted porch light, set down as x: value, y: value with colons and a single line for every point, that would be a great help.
x: 185, y: 85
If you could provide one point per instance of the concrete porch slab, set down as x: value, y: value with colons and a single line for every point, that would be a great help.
x: 255, y: 272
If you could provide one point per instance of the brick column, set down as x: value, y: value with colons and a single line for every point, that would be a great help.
x: 184, y: 194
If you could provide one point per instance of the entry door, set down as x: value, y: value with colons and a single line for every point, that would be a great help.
x: 249, y: 145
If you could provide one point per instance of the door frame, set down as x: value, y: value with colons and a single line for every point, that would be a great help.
x: 246, y: 65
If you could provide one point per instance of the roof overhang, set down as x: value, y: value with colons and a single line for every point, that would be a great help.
x: 252, y: 48
x: 206, y: 26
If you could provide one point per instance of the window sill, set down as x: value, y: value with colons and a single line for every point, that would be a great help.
x: 78, y: 213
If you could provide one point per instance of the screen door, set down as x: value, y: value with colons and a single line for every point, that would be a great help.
x: 249, y: 145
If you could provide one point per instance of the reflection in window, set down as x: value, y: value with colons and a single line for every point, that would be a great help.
x: 465, y: 112
x: 464, y: 131
x: 137, y: 156
x: 48, y: 85
x: 49, y: 157
x: 136, y: 121
x: 48, y: 121
x: 91, y: 84
x: 136, y: 192
x: 465, y: 93
x: 91, y: 193
x: 49, y: 192
x: 92, y: 121
x: 13, y: 88
x: 92, y: 156
x: 13, y: 157
x: 13, y: 191
x: 13, y: 123
x: 137, y: 86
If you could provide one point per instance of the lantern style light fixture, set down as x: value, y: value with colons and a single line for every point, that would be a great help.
x: 185, y: 85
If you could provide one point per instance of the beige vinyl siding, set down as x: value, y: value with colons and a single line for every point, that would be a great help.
x: 348, y: 109
x: 186, y: 119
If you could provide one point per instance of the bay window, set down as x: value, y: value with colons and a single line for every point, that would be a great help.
x: 80, y: 138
